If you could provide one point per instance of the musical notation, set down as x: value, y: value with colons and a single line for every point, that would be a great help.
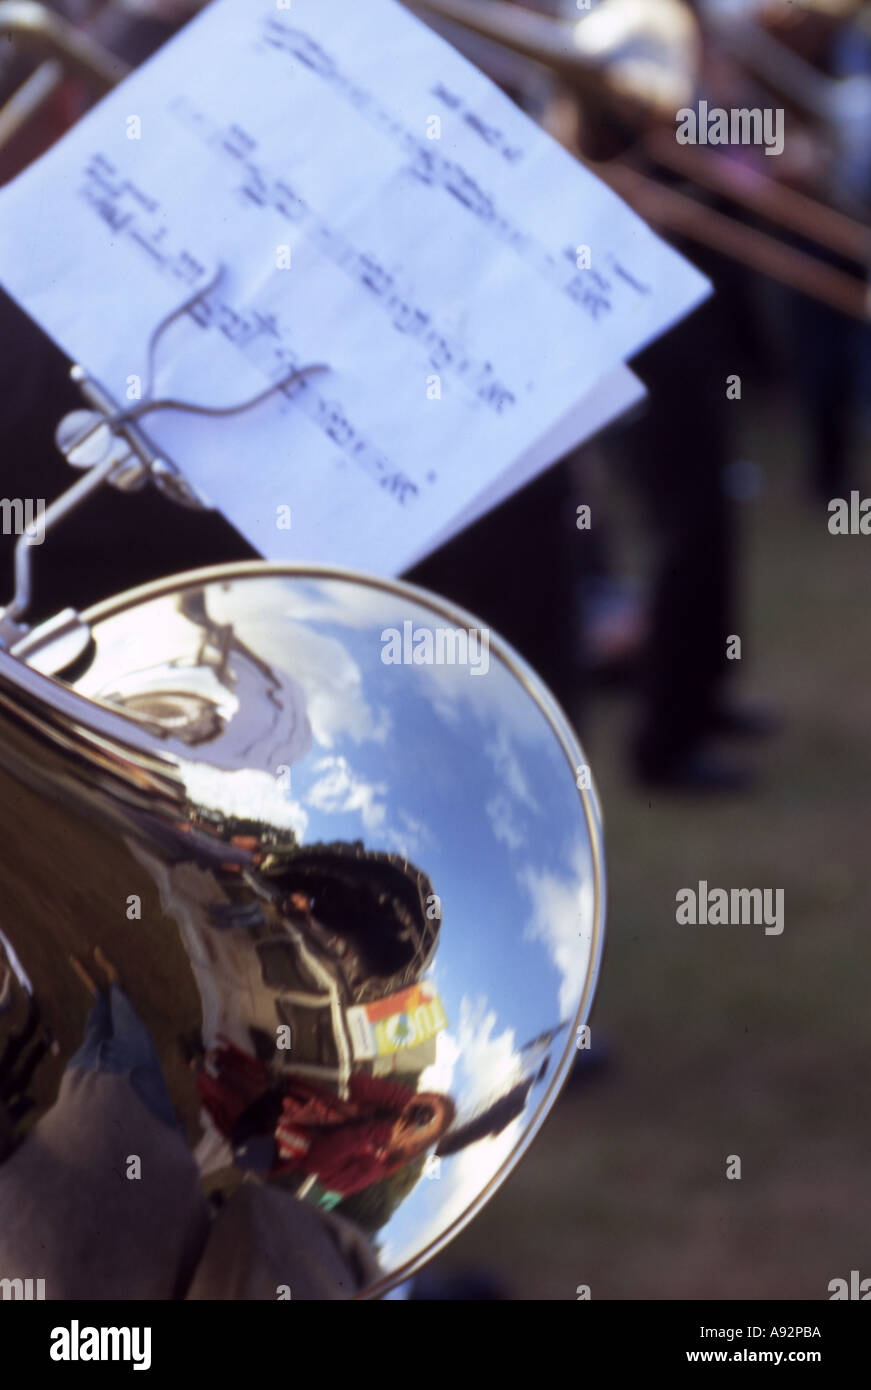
x: 433, y: 265
x: 266, y: 189
x: 123, y: 206
x: 432, y: 168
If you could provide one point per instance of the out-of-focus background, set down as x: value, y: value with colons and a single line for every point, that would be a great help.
x: 712, y: 516
x: 722, y: 1040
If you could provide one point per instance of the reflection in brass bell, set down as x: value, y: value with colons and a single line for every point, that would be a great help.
x: 340, y: 844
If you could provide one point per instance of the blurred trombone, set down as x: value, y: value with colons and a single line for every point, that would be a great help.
x: 62, y: 51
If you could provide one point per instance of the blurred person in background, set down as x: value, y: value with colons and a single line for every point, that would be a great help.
x: 828, y: 354
x: 677, y: 451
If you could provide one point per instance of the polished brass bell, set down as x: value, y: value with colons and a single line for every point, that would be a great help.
x: 336, y: 879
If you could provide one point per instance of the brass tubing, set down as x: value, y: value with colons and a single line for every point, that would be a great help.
x: 778, y: 203
x: 35, y: 28
x: 676, y: 212
x: 28, y: 99
x: 534, y: 36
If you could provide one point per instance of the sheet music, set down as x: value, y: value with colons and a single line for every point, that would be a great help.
x: 378, y: 206
x: 611, y: 398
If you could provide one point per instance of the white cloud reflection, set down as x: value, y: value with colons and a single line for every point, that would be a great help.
x: 562, y: 918
x: 339, y: 789
x: 243, y: 795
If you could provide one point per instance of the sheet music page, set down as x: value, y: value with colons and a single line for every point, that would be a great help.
x: 612, y: 397
x: 375, y: 205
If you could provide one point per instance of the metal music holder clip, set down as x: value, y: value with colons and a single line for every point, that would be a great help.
x: 108, y: 442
